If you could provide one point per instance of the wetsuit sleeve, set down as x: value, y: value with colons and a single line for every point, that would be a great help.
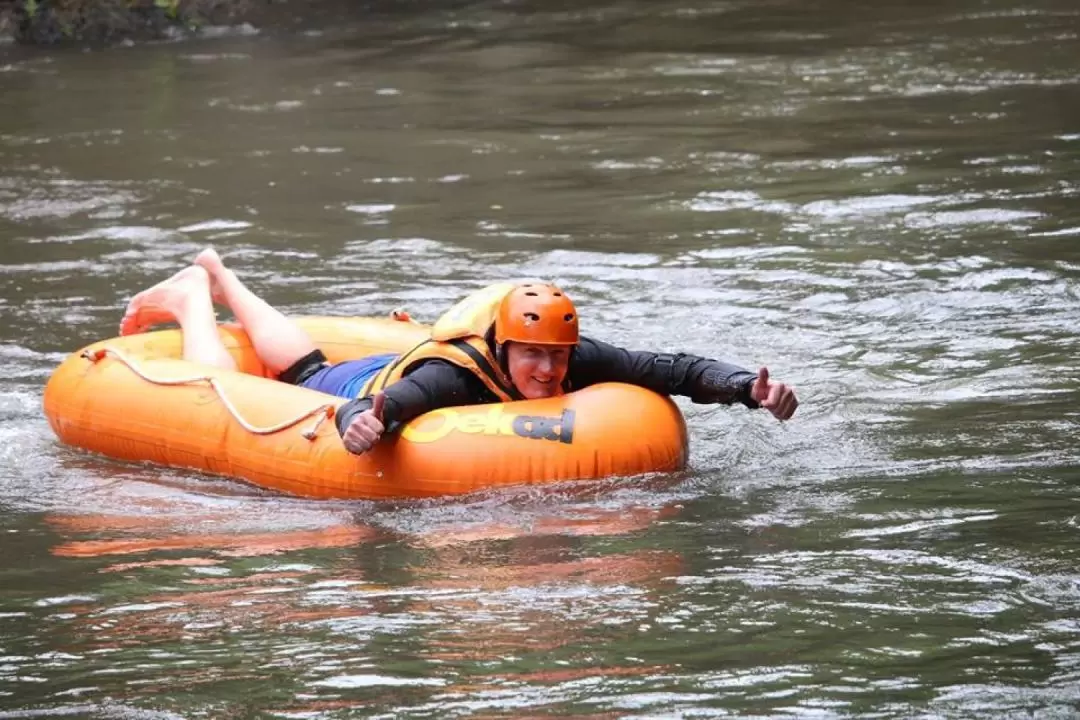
x: 431, y: 385
x: 701, y: 379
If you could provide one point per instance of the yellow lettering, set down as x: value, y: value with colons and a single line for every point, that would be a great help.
x: 438, y: 424
x: 421, y: 431
x: 506, y: 424
x: 472, y: 424
x: 491, y: 421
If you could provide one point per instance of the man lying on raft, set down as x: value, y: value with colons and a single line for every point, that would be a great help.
x: 502, y: 343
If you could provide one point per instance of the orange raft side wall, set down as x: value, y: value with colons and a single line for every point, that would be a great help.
x: 106, y: 407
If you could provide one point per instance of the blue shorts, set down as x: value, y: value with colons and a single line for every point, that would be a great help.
x: 346, y: 379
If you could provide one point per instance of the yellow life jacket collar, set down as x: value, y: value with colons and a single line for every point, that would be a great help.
x: 459, y: 337
x: 473, y: 315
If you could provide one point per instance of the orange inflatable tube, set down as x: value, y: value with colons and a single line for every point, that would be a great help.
x: 133, y: 398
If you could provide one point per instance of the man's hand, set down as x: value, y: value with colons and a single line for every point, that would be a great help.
x: 775, y: 397
x: 366, y: 428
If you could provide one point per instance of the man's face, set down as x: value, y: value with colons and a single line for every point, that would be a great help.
x: 537, y: 371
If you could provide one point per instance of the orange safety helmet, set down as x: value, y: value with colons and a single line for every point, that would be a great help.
x: 538, y: 314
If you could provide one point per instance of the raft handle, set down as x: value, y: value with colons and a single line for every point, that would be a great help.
x: 325, y: 412
x: 401, y: 315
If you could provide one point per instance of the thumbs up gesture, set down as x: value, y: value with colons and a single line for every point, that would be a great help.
x: 777, y: 398
x: 366, y: 428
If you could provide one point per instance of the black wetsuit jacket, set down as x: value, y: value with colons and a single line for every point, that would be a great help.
x: 436, y: 384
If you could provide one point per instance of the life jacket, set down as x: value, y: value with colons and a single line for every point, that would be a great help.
x: 458, y: 337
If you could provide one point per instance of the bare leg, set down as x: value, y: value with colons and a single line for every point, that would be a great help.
x: 279, y: 342
x: 185, y: 298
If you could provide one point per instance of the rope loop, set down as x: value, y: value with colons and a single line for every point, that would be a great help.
x: 324, y: 412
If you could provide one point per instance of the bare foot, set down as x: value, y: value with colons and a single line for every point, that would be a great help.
x: 210, y: 261
x: 164, y: 301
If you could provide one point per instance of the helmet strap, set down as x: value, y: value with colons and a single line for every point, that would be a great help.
x: 500, y: 352
x: 504, y: 361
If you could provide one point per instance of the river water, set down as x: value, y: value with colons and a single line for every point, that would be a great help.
x: 878, y: 201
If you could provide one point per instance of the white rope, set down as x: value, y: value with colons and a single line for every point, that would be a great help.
x: 324, y: 411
